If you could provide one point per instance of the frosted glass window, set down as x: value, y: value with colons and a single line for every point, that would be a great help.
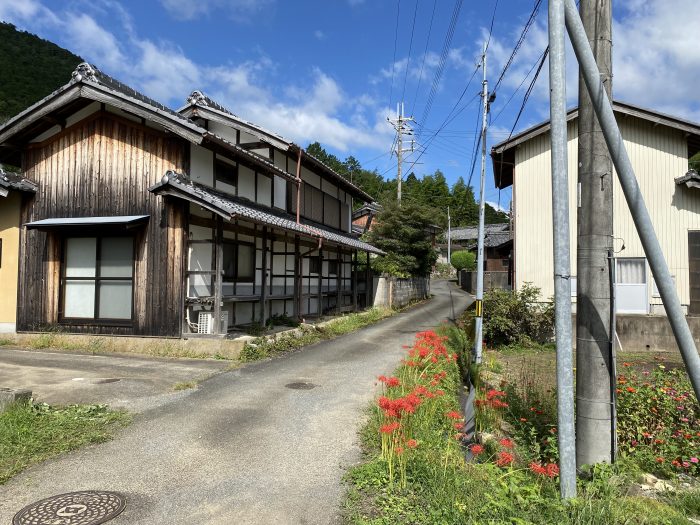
x: 79, y: 299
x: 631, y: 271
x: 115, y: 299
x: 81, y: 256
x: 98, y: 278
x: 117, y: 257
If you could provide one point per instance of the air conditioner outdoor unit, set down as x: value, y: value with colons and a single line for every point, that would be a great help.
x: 205, y: 322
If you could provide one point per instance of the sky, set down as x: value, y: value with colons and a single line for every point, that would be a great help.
x: 332, y: 71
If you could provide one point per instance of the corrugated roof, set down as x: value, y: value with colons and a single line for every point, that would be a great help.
x: 228, y: 206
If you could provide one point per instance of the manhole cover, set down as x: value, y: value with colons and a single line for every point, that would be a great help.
x: 301, y: 386
x: 74, y: 508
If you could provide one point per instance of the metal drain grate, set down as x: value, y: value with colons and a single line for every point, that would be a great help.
x: 74, y: 508
x: 301, y: 386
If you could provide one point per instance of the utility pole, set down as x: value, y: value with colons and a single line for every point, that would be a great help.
x: 478, y: 336
x: 402, y: 127
x: 595, y: 367
x: 449, y: 237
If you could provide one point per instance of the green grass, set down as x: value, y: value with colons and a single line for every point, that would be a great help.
x: 184, y: 385
x: 263, y: 347
x: 6, y: 341
x: 31, y: 433
x: 442, y: 489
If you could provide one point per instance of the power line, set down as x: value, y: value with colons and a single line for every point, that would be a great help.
x: 410, y: 48
x: 493, y: 18
x: 425, y: 52
x: 519, y: 43
x: 396, y: 40
x: 527, y: 75
x: 441, y: 63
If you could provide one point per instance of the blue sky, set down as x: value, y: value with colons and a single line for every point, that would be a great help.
x: 333, y: 70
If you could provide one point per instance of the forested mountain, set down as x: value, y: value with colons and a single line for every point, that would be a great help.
x: 30, y: 69
x: 431, y: 191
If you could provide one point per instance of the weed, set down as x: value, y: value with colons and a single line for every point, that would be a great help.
x: 185, y: 385
x: 47, y: 340
x: 6, y: 341
x: 30, y: 433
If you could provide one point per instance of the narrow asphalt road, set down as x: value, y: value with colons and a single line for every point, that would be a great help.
x: 245, y: 448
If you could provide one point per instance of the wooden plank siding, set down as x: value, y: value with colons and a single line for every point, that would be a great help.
x: 103, y: 166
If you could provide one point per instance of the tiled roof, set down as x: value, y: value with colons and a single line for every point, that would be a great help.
x: 199, y: 99
x: 228, y: 206
x: 15, y: 181
x: 690, y: 179
x: 472, y: 232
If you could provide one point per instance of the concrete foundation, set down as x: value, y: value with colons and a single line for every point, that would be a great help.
x: 8, y: 396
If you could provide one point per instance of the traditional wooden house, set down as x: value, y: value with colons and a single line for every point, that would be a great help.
x: 145, y: 221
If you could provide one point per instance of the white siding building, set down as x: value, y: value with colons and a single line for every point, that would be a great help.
x: 659, y: 147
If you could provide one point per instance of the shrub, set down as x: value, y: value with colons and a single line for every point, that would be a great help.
x: 517, y: 317
x: 463, y: 260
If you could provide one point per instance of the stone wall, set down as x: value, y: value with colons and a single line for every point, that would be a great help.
x: 395, y: 292
x: 467, y: 281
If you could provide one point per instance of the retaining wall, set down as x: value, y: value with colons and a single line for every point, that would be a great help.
x: 395, y: 292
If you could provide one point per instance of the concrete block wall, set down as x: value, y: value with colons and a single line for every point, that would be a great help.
x: 395, y: 292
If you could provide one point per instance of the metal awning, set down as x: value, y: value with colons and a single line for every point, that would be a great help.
x: 65, y: 222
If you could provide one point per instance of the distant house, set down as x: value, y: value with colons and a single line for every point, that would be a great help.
x: 12, y: 188
x: 140, y: 220
x: 659, y: 147
x: 498, y: 246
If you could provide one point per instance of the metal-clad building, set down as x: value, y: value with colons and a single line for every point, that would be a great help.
x: 659, y: 147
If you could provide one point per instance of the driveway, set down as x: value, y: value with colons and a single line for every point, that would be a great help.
x: 129, y: 382
x: 245, y: 447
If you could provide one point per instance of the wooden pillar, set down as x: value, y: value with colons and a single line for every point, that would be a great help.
x: 338, y: 279
x: 319, y: 307
x: 217, y: 327
x: 263, y: 292
x: 354, y: 281
x: 368, y: 287
x: 297, y: 279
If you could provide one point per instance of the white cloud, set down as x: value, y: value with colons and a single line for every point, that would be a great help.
x: 237, y: 9
x: 319, y: 35
x: 85, y: 33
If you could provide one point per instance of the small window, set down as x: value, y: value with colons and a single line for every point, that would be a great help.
x: 332, y: 267
x: 239, y: 262
x: 225, y: 172
x: 98, y: 278
x: 315, y: 265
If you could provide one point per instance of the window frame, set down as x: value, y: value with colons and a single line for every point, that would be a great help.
x: 236, y: 278
x: 230, y: 179
x: 97, y: 279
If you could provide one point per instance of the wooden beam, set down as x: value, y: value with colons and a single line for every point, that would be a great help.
x: 354, y: 281
x: 338, y: 275
x: 319, y: 307
x: 263, y: 292
x: 297, y: 279
x: 253, y: 145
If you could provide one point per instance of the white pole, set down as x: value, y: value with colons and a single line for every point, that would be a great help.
x: 478, y: 335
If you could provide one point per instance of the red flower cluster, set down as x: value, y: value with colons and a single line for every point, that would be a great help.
x: 506, y: 443
x: 476, y: 449
x: 400, y: 406
x: 550, y: 470
x: 454, y: 415
x: 505, y: 459
x: 390, y: 382
x: 389, y: 427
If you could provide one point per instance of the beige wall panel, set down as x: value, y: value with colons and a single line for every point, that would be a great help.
x: 9, y: 233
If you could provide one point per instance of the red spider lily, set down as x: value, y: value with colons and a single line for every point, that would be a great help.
x: 389, y: 428
x: 523, y: 420
x: 536, y: 468
x: 552, y: 470
x: 506, y: 443
x: 454, y: 415
x: 398, y: 450
x: 476, y: 449
x: 497, y: 403
x: 392, y: 382
x: 505, y: 459
x: 660, y: 460
x: 491, y: 394
x: 411, y: 443
x: 631, y: 390
x: 458, y: 426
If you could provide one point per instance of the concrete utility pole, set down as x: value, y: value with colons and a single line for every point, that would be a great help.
x: 595, y: 376
x: 400, y: 124
x: 478, y: 335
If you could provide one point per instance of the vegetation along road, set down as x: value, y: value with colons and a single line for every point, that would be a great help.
x: 246, y: 447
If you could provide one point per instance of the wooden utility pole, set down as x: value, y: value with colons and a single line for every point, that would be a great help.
x: 595, y: 367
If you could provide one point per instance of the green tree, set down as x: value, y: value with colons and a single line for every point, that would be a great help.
x: 402, y: 232
x: 463, y: 260
x: 463, y: 207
